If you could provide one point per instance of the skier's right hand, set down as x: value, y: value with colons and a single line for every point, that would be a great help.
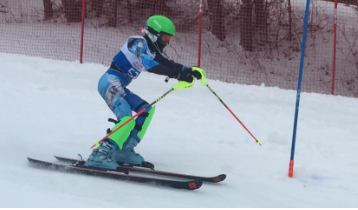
x: 186, y: 75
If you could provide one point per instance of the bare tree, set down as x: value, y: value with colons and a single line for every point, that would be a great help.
x: 97, y: 6
x: 157, y: 7
x: 290, y: 36
x: 73, y: 10
x: 253, y: 20
x: 260, y: 13
x: 246, y: 29
x: 113, y: 17
x: 48, y: 9
x: 261, y: 17
x: 217, y: 19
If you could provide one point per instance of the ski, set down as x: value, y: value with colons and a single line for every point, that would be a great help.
x: 213, y: 179
x: 189, y: 185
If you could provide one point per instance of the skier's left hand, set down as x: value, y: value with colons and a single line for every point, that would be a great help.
x: 197, y: 72
x: 186, y: 75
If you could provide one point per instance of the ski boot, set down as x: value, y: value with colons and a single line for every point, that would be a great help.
x: 128, y: 137
x: 101, y: 157
x: 127, y: 155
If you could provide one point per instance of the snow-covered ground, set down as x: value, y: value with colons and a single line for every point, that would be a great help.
x: 51, y: 107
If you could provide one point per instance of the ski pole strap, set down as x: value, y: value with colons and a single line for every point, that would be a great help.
x: 96, y: 143
x: 184, y: 85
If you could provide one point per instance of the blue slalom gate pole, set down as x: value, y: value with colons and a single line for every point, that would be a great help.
x: 303, y: 47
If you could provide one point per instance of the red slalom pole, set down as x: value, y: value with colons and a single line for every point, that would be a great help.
x: 82, y: 29
x: 257, y: 141
x: 130, y: 119
x: 334, y: 46
x: 290, y: 169
x: 200, y: 23
x: 203, y: 81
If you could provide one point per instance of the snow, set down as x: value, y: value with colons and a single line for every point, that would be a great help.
x: 51, y: 107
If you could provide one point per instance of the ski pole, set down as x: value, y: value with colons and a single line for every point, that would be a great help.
x: 180, y: 85
x: 203, y: 81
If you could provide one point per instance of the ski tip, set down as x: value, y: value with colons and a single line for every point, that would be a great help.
x: 58, y: 157
x: 31, y: 159
x: 220, y: 178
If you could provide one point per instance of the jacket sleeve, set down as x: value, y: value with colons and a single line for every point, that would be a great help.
x: 173, y: 71
x: 155, y: 63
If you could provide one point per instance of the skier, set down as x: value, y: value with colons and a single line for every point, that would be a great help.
x: 137, y: 54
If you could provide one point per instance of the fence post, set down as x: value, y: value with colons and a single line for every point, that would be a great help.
x: 82, y: 29
x: 334, y: 45
x: 200, y: 30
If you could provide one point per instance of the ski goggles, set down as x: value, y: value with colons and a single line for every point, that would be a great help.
x: 165, y: 38
x: 162, y: 37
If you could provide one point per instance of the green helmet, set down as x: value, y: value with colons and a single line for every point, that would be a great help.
x: 159, y: 24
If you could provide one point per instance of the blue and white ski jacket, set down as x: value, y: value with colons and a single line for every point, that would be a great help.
x: 136, y: 56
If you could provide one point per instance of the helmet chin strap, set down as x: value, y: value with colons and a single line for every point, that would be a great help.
x: 154, y: 40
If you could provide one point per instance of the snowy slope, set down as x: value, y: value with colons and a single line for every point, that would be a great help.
x: 52, y: 107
